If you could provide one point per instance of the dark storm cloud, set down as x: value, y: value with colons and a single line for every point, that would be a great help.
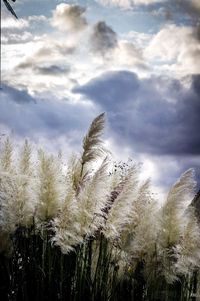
x: 36, y: 118
x: 103, y: 38
x: 196, y: 83
x: 155, y: 115
x: 111, y: 90
x: 18, y: 96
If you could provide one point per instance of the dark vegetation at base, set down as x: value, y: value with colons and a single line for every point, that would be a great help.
x: 37, y: 270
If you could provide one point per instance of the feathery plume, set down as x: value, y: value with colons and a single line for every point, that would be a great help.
x: 6, y: 156
x: 173, y: 219
x: 187, y: 251
x: 92, y: 199
x: 118, y: 216
x: 176, y: 203
x: 139, y: 235
x: 25, y: 159
x: 16, y: 201
x: 48, y: 189
x: 92, y: 144
x: 66, y: 224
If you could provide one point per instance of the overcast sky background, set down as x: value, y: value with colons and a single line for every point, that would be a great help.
x: 64, y: 62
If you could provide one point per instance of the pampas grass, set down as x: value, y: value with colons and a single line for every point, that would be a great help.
x: 92, y: 143
x: 93, y: 231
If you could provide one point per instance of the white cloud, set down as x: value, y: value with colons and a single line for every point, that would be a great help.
x: 127, y: 55
x: 23, y: 62
x: 22, y: 30
x: 69, y: 17
x: 17, y: 38
x: 128, y: 3
x: 11, y: 23
x: 38, y: 18
x: 140, y: 39
x: 84, y: 55
x: 175, y: 48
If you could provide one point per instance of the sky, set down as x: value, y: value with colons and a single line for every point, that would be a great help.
x: 65, y: 62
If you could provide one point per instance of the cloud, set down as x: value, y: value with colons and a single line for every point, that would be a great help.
x: 22, y: 30
x: 48, y: 119
x: 42, y: 53
x: 11, y: 23
x: 196, y: 83
x: 111, y: 89
x: 37, y: 19
x: 128, y: 55
x: 17, y: 96
x: 167, y: 8
x: 154, y: 116
x: 191, y: 7
x: 128, y: 3
x: 52, y: 70
x: 166, y: 43
x: 165, y: 170
x: 140, y: 39
x: 68, y: 17
x: 17, y: 38
x: 178, y: 10
x: 177, y: 48
x: 103, y: 38
x: 152, y: 120
x: 40, y: 66
x: 15, y: 31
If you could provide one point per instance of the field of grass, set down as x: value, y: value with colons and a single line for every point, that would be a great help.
x: 92, y: 230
